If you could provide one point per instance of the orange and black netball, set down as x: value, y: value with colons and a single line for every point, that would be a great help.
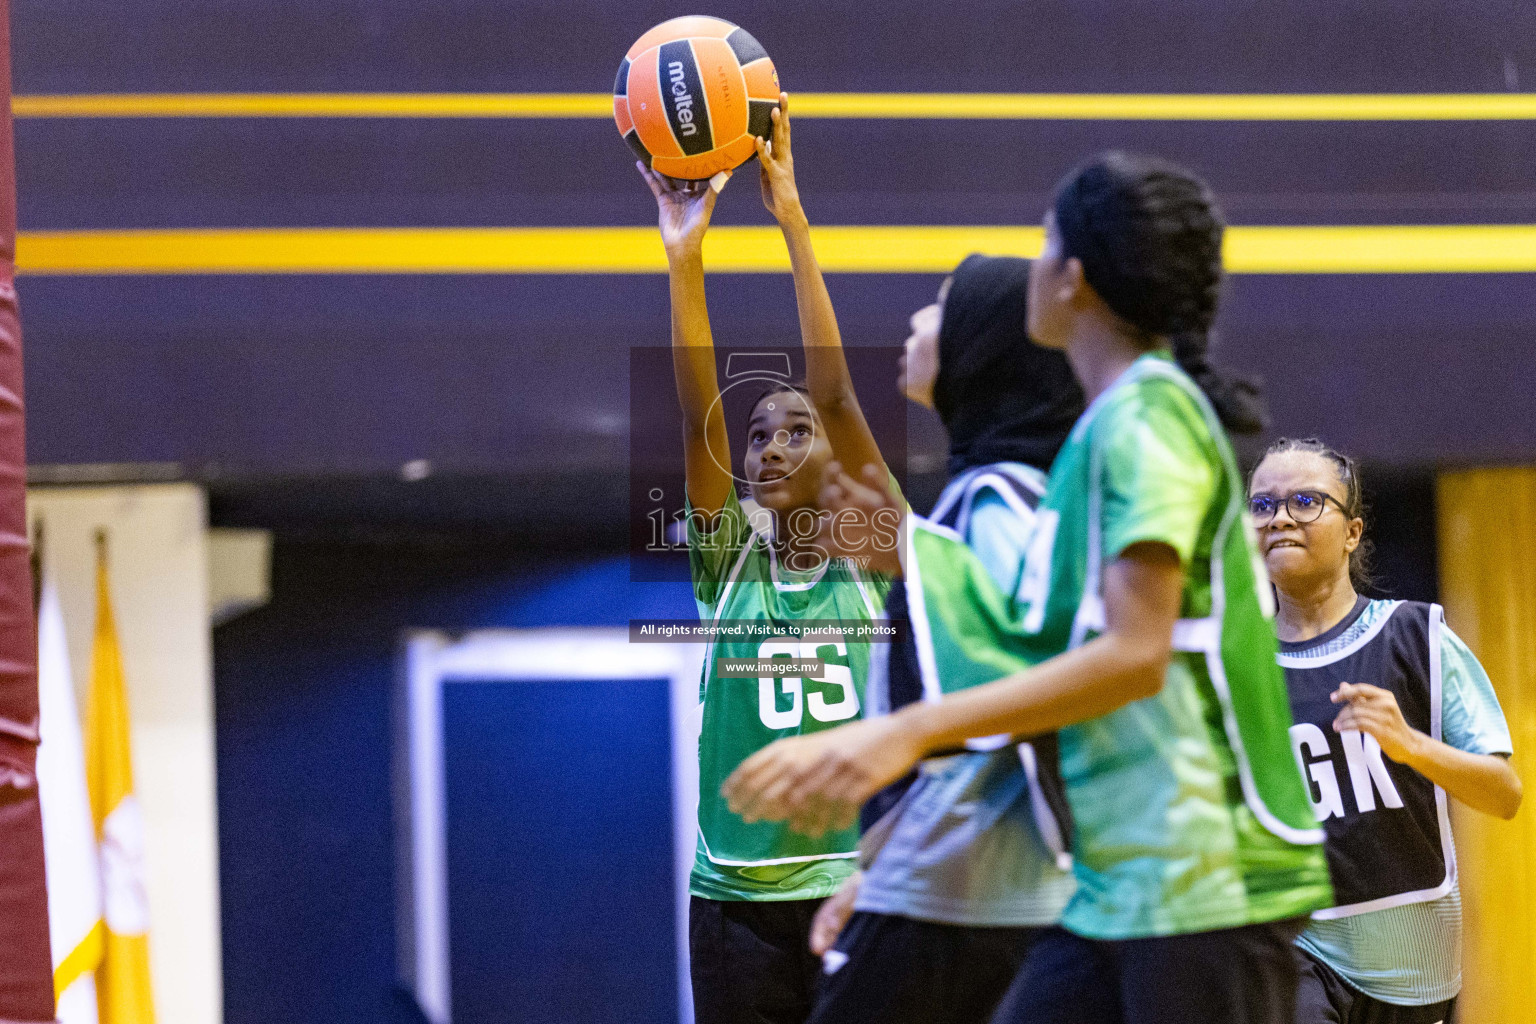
x: 690, y: 95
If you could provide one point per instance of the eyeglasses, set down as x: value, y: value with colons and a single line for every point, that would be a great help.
x: 1303, y: 506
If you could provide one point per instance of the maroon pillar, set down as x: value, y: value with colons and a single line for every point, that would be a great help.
x: 26, y: 966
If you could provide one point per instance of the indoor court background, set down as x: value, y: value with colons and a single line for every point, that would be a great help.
x: 442, y: 442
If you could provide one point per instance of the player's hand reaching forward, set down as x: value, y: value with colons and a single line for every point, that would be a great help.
x: 780, y: 193
x: 866, y: 520
x: 818, y: 782
x: 684, y: 209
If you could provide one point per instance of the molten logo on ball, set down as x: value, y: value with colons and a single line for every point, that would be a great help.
x: 682, y: 99
x: 682, y: 90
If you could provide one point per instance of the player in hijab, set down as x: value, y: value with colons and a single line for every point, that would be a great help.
x: 964, y: 873
x: 1143, y: 611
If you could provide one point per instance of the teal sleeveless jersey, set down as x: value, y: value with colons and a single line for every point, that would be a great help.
x: 737, y: 577
x: 1189, y: 809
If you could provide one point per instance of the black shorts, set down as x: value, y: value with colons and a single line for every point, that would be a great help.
x: 751, y: 962
x: 896, y: 970
x: 1244, y: 975
x: 1326, y: 998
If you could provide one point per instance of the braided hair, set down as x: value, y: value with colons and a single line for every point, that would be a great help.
x: 1148, y: 235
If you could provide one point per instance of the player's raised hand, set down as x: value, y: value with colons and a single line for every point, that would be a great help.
x: 780, y: 193
x: 683, y: 209
x: 1374, y: 711
x: 865, y: 523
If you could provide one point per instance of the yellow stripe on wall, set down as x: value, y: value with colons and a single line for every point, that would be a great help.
x: 957, y: 106
x: 1502, y: 248
x: 492, y: 250
x: 1414, y: 249
x: 1171, y: 107
x: 399, y: 104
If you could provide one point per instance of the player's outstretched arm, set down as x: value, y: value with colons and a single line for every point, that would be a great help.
x: 827, y: 375
x: 683, y: 212
x: 818, y: 782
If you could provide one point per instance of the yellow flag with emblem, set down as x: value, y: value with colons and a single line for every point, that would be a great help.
x: 122, y: 979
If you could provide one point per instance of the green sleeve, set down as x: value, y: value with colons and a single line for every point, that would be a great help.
x: 712, y: 553
x: 1159, y: 471
x: 969, y: 624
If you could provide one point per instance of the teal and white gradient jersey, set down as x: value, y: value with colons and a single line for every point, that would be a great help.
x: 1410, y: 955
x: 964, y: 847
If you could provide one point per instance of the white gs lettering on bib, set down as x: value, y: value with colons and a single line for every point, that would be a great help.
x: 822, y: 710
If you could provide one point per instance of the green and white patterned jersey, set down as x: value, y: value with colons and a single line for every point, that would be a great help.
x: 1189, y: 811
x: 737, y: 577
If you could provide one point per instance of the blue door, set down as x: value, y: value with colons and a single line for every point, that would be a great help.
x: 561, y: 901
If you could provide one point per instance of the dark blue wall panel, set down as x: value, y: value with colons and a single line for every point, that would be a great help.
x: 900, y: 45
x: 302, y: 691
x: 385, y: 172
x: 530, y: 374
x: 561, y: 902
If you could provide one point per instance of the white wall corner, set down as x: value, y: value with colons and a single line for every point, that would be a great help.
x: 239, y: 572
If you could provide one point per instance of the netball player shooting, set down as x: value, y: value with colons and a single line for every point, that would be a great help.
x: 1392, y: 714
x: 1196, y: 851
x: 756, y: 886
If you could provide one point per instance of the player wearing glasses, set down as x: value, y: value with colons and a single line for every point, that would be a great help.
x: 1143, y: 640
x: 1392, y: 714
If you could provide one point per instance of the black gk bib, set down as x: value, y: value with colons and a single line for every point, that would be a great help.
x: 1388, y: 831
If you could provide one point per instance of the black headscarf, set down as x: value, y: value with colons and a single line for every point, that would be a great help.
x: 1002, y: 397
